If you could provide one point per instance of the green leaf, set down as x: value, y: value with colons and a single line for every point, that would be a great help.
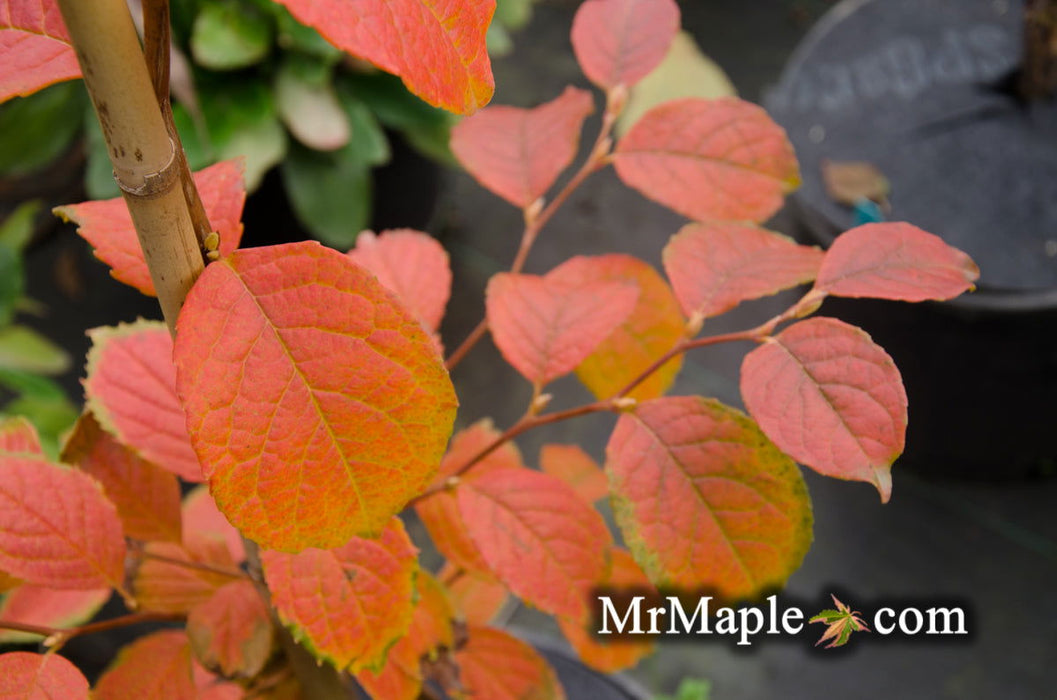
x: 36, y: 130
x: 368, y: 142
x: 513, y: 14
x: 22, y: 348
x: 30, y: 385
x: 17, y: 228
x: 11, y: 283
x: 690, y: 689
x: 230, y: 35
x: 308, y: 104
x: 295, y: 36
x: 840, y: 623
x: 194, y: 136
x: 330, y: 193
x: 427, y: 128
x: 243, y: 121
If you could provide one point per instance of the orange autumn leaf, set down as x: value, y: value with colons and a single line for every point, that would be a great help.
x: 537, y: 536
x: 323, y: 409
x: 895, y: 261
x: 652, y: 328
x: 35, y: 49
x: 592, y: 649
x: 203, y: 522
x: 575, y: 467
x: 412, y: 265
x: 477, y: 598
x: 431, y: 629
x: 497, y: 666
x: 831, y: 398
x: 709, y: 159
x: 743, y: 513
x: 437, y: 48
x: 155, y: 667
x: 107, y: 225
x: 47, y: 607
x: 18, y: 435
x: 519, y: 153
x: 28, y: 676
x: 439, y: 512
x: 715, y: 266
x: 161, y: 583
x: 232, y: 632
x: 546, y: 326
x: 618, y: 42
x: 57, y: 529
x: 348, y: 604
x: 131, y: 391
x: 146, y: 496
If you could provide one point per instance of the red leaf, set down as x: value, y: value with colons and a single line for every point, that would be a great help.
x: 618, y: 42
x: 232, y: 631
x: 440, y: 511
x: 575, y: 467
x: 18, y: 435
x: 438, y: 49
x: 704, y: 500
x: 203, y: 522
x: 131, y: 390
x: 107, y: 225
x: 478, y: 599
x: 147, y: 497
x: 35, y: 49
x: 653, y: 328
x: 519, y: 153
x: 537, y: 536
x: 895, y: 261
x: 8, y: 582
x: 431, y: 628
x: 546, y: 326
x: 28, y: 676
x: 412, y: 265
x: 155, y: 667
x: 350, y: 603
x: 623, y: 654
x: 317, y: 405
x: 829, y: 397
x: 716, y: 266
x: 709, y: 159
x: 47, y: 607
x: 164, y: 586
x: 57, y: 529
x: 496, y: 666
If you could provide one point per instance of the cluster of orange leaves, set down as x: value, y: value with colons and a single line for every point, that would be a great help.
x: 307, y: 388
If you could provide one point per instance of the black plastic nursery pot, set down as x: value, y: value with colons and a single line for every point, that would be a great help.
x: 924, y: 91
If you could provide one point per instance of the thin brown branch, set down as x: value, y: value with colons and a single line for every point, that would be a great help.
x: 534, y: 223
x: 467, y: 345
x: 195, y: 565
x: 56, y: 636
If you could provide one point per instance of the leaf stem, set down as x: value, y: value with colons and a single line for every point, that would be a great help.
x: 617, y: 402
x: 198, y: 566
x: 536, y: 218
x: 57, y: 637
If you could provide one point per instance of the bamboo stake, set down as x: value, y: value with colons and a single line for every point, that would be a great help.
x: 143, y: 156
